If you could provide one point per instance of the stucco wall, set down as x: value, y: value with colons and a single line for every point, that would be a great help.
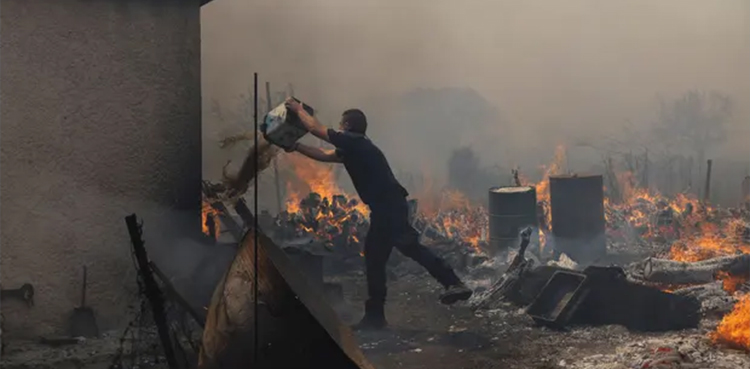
x: 100, y: 117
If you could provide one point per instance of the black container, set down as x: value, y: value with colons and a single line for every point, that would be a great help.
x: 613, y: 300
x: 577, y: 207
x: 559, y: 299
x: 511, y: 209
x: 282, y: 127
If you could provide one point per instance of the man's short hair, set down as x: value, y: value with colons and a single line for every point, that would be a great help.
x: 355, y: 120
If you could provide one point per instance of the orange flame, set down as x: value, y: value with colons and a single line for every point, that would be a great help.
x: 731, y: 283
x: 708, y: 241
x: 208, y: 211
x: 734, y: 328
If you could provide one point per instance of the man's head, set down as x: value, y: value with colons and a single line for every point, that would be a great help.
x: 354, y: 120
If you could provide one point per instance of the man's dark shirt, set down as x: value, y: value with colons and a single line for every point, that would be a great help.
x: 367, y: 166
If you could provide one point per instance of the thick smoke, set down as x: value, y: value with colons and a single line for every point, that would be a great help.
x: 509, y: 79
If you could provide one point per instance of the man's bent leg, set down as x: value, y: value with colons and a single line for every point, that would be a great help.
x: 408, y: 244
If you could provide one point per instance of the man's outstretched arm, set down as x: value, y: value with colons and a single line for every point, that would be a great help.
x: 326, y: 156
x: 311, y: 123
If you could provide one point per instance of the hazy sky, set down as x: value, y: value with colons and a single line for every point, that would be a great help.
x: 554, y: 69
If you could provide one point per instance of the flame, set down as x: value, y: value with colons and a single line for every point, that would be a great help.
x: 542, y: 187
x: 335, y: 214
x: 330, y: 212
x: 542, y: 192
x: 208, y: 211
x: 734, y: 328
x: 731, y: 283
x: 709, y: 241
x: 315, y: 177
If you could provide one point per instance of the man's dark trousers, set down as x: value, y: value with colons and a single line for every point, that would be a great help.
x: 389, y: 228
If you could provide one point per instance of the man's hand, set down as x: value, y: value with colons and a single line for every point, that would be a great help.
x: 292, y: 148
x: 311, y: 123
x: 293, y: 105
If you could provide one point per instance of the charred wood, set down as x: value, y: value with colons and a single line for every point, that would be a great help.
x: 672, y: 272
x: 151, y: 289
x: 507, y: 286
x: 175, y: 296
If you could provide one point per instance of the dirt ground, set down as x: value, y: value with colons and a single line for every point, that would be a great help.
x: 426, y: 334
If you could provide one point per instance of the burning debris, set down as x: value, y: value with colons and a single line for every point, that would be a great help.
x: 338, y: 222
x: 694, y: 267
x: 734, y: 328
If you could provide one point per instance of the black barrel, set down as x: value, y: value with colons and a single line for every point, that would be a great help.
x: 577, y: 206
x: 511, y: 209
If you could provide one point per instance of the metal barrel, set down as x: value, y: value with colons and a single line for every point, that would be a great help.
x: 578, y: 226
x: 510, y: 209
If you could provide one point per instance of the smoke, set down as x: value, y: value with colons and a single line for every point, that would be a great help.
x: 536, y: 73
x: 176, y: 245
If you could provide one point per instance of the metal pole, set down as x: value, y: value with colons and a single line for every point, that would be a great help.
x: 256, y: 342
x: 707, y: 193
x: 269, y: 106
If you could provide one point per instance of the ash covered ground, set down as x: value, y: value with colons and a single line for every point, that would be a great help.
x: 641, y: 226
x: 425, y: 334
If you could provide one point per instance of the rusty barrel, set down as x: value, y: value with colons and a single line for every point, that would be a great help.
x: 577, y: 207
x: 510, y: 209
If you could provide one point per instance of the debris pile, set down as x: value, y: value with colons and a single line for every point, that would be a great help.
x: 673, y: 352
x: 340, y: 222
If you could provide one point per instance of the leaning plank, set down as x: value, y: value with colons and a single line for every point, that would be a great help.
x: 297, y: 329
x: 508, y: 283
x: 686, y: 273
x: 172, y: 293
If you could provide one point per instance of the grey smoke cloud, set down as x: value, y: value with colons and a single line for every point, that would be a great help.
x: 555, y: 71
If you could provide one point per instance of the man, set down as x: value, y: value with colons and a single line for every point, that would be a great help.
x: 389, y: 213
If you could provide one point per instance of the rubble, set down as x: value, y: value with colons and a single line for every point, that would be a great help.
x: 671, y: 272
x: 683, y: 352
x: 690, y: 264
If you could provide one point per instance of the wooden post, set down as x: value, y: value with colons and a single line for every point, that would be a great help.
x: 275, y: 161
x: 151, y: 289
x: 690, y: 174
x: 707, y: 193
x: 645, y: 170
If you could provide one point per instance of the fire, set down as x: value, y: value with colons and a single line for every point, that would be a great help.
x: 317, y: 178
x: 709, y: 241
x: 337, y: 214
x: 542, y: 191
x: 208, y: 215
x: 542, y: 187
x: 731, y: 283
x: 292, y: 200
x: 734, y: 328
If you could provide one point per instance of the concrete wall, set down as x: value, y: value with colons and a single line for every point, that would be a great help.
x: 100, y: 108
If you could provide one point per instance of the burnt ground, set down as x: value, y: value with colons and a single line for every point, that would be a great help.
x: 426, y: 334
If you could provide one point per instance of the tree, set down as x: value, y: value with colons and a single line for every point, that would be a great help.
x: 695, y: 122
x: 463, y: 169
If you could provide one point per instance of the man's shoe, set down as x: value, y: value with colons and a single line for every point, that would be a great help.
x: 455, y: 293
x: 374, y: 318
x: 370, y: 323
